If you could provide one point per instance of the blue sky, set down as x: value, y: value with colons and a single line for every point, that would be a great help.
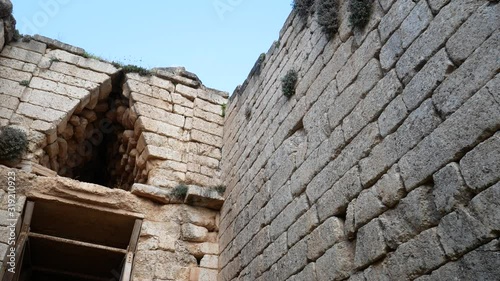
x: 219, y: 40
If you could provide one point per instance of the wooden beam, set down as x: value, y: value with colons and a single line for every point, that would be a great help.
x: 20, y: 243
x: 77, y: 243
x: 129, y: 258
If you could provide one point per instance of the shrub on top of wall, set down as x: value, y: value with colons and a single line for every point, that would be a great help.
x: 13, y: 143
x: 360, y: 12
x: 289, y: 82
x: 327, y: 12
x: 303, y: 7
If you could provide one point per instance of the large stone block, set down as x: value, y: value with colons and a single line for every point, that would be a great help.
x: 303, y: 226
x: 288, y: 216
x: 460, y: 232
x: 394, y: 17
x: 485, y: 206
x: 427, y: 79
x: 473, y: 32
x: 370, y: 244
x: 358, y: 60
x: 439, y: 30
x: 337, y: 263
x: 463, y: 129
x: 418, y: 125
x: 481, y: 166
x: 21, y: 54
x: 475, y: 72
x: 450, y: 191
x: 416, y: 257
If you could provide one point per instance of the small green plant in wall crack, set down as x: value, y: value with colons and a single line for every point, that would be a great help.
x: 24, y: 83
x: 360, y: 12
x: 13, y: 143
x: 327, y: 12
x: 303, y: 8
x: 180, y: 191
x: 289, y: 83
x: 223, y: 108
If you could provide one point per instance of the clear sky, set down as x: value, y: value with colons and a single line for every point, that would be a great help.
x: 219, y: 40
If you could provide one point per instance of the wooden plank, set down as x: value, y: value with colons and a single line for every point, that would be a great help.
x: 129, y: 258
x: 20, y: 243
x: 135, y: 235
x: 77, y: 243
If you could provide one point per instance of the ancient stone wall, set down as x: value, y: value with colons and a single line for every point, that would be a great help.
x: 385, y: 163
x: 80, y: 112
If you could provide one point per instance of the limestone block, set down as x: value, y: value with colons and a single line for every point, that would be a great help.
x: 207, y: 127
x: 303, y: 226
x: 181, y: 100
x: 208, y: 116
x: 205, y: 138
x: 31, y: 45
x: 427, y: 79
x: 324, y: 237
x: 481, y: 166
x: 292, y: 262
x: 21, y: 54
x: 336, y: 263
x: 372, y: 105
x: 275, y: 251
x: 450, y: 191
x: 81, y: 73
x: 136, y: 97
x: 460, y: 232
x: 202, y: 197
x: 193, y: 233
x: 159, y: 114
x: 391, y: 51
x: 415, y: 23
x: 335, y: 201
x: 150, y: 125
x: 473, y: 32
x: 417, y: 126
x: 394, y: 17
x: 485, y: 207
x: 367, y: 207
x: 288, y: 216
x: 358, y: 60
x: 152, y: 192
x: 16, y: 75
x: 392, y: 116
x: 308, y: 273
x: 481, y: 264
x: 11, y: 88
x: 436, y: 5
x: 210, y: 261
x: 390, y: 187
x: 476, y: 71
x: 439, y: 30
x: 37, y: 112
x: 188, y: 92
x: 369, y: 76
x: 201, y: 249
x: 416, y: 257
x: 480, y: 113
x: 207, y: 274
x: 370, y: 244
x: 9, y: 102
x: 18, y: 65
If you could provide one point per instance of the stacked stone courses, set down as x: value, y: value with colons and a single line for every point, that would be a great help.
x: 384, y: 165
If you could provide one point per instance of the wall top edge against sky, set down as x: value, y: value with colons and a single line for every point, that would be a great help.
x: 219, y: 40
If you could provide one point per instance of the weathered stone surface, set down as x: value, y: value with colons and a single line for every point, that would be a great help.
x: 439, y: 30
x: 418, y: 125
x: 416, y: 257
x: 481, y: 166
x: 367, y: 207
x: 460, y: 232
x: 485, y: 207
x: 358, y: 60
x: 336, y: 263
x: 480, y: 264
x: 473, y: 32
x: 193, y: 233
x: 324, y: 237
x: 394, y: 18
x: 202, y: 197
x: 34, y: 111
x: 450, y: 191
x: 476, y: 71
x: 427, y: 79
x: 390, y: 187
x: 303, y: 226
x: 481, y: 113
x: 21, y: 54
x: 59, y: 45
x: 288, y: 216
x: 335, y: 200
x: 370, y: 244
